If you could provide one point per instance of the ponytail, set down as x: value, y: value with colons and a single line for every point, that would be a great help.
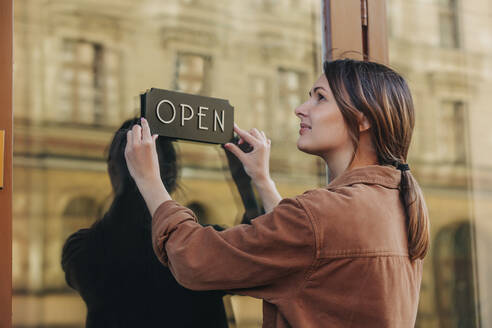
x: 418, y: 224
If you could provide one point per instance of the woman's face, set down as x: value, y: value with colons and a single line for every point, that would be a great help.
x: 322, y: 128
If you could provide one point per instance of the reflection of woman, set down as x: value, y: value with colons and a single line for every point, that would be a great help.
x: 114, y: 269
x: 346, y: 255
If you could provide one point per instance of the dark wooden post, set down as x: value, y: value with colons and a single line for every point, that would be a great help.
x: 355, y: 29
x: 6, y: 38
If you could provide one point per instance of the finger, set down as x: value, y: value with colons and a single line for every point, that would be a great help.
x: 235, y: 150
x: 137, y: 134
x: 154, y: 137
x: 264, y: 135
x: 255, y: 133
x: 244, y: 135
x: 145, y: 129
x: 129, y: 139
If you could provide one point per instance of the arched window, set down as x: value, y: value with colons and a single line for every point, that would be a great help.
x: 453, y: 276
x: 80, y: 212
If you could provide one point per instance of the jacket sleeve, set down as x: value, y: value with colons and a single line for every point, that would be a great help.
x: 272, y: 246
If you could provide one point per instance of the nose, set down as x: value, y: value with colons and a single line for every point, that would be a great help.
x: 301, y: 110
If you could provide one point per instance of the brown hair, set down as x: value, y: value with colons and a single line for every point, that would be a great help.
x: 383, y: 96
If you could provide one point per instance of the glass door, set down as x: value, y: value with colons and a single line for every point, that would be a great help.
x: 79, y: 69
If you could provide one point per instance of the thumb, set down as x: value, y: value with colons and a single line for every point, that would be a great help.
x: 154, y: 137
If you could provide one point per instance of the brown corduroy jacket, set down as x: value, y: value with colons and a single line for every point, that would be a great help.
x: 331, y: 257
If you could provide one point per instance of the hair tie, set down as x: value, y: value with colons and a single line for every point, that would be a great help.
x: 403, y: 167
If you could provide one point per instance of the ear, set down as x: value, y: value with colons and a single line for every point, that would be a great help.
x: 364, y: 124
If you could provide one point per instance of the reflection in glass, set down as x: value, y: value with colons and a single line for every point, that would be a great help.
x: 443, y: 49
x: 453, y: 273
x: 191, y: 73
x: 79, y: 68
x: 448, y: 24
x: 112, y: 265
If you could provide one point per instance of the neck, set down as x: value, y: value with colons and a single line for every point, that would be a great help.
x: 339, y: 160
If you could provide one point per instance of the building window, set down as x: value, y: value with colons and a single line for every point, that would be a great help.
x: 453, y: 276
x: 80, y: 207
x: 260, y: 105
x: 192, y: 74
x: 452, y: 132
x: 290, y: 96
x: 80, y: 212
x: 111, y: 106
x: 448, y: 24
x: 89, y: 83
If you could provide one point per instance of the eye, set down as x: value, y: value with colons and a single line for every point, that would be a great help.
x: 320, y: 97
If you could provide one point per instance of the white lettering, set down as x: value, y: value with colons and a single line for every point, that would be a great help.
x: 221, y: 121
x: 219, y: 118
x: 165, y: 101
x: 200, y: 114
x: 183, y: 118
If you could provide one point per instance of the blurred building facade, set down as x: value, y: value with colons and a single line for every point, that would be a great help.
x: 80, y: 66
x: 444, y: 50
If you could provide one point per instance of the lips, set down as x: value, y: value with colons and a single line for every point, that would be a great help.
x: 304, y: 128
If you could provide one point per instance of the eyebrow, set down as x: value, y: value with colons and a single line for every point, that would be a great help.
x: 314, y: 90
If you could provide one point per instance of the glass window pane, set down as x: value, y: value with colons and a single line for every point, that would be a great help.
x: 451, y: 85
x: 81, y: 69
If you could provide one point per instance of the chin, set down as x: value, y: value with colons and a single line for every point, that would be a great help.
x: 299, y: 145
x: 304, y: 148
x: 312, y: 149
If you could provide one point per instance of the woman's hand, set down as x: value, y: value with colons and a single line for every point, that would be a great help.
x: 141, y: 154
x: 143, y: 164
x: 256, y: 163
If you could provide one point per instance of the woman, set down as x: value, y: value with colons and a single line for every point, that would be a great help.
x: 346, y: 255
x: 112, y: 264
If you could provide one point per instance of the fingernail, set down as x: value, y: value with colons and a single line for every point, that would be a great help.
x: 143, y: 119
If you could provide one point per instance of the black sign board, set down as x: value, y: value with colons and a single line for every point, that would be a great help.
x: 189, y: 117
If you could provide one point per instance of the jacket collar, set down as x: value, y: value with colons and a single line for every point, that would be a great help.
x: 387, y: 176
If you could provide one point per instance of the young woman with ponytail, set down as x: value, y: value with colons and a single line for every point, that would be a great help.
x: 345, y: 255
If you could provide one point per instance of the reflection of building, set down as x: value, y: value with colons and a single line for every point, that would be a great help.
x: 443, y: 48
x: 79, y: 68
x: 455, y: 300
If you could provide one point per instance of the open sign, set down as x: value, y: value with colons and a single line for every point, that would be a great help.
x: 189, y: 117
